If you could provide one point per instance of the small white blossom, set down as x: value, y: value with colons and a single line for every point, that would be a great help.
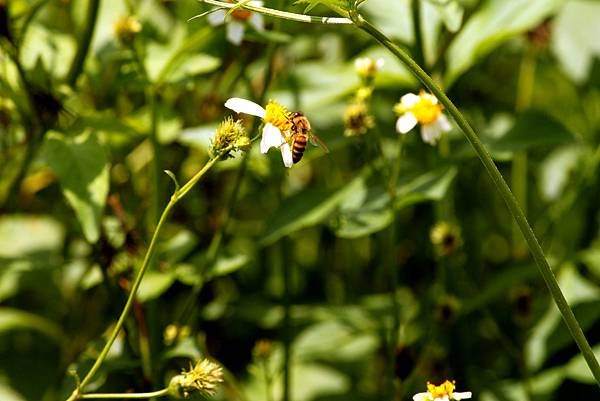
x: 367, y: 67
x: 236, y: 25
x: 276, y: 131
x: 423, y: 109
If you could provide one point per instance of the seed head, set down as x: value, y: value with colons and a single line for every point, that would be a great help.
x: 446, y: 238
x: 202, y: 378
x: 367, y: 68
x: 230, y: 136
x: 357, y: 119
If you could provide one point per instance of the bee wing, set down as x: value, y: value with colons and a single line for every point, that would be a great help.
x: 316, y: 141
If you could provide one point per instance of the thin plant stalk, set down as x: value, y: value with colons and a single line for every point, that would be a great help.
x: 525, y: 85
x: 119, y: 396
x: 176, y: 197
x: 84, y: 42
x: 501, y: 186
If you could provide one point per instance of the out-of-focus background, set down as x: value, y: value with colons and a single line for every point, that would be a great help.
x: 315, y: 270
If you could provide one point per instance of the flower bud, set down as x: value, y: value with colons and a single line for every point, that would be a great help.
x: 357, y: 119
x: 126, y: 28
x: 202, y: 378
x: 367, y: 68
x: 446, y: 238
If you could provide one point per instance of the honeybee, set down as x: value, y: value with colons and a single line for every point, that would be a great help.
x: 302, y: 133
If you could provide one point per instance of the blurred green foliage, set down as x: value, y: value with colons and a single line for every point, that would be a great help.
x: 81, y: 187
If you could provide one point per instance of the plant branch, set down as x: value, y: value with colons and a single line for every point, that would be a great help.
x: 501, y: 186
x: 177, y: 196
x: 283, y: 14
x: 159, y: 393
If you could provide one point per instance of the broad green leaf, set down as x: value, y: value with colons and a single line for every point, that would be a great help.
x: 9, y: 394
x: 227, y: 265
x: 557, y: 168
x: 577, y: 369
x: 495, y: 22
x: 14, y: 319
x: 22, y: 234
x: 392, y: 17
x: 51, y: 48
x: 154, y: 284
x: 367, y: 209
x: 81, y: 166
x: 531, y: 129
x: 306, y: 209
x: 577, y: 290
x: 194, y: 65
x: 575, y: 36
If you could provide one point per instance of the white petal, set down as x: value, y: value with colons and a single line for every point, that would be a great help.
x: 257, y: 21
x: 443, y: 123
x: 217, y: 17
x: 431, y: 133
x: 406, y: 122
x: 462, y: 396
x: 409, y: 100
x: 286, y: 155
x: 235, y: 32
x: 271, y: 138
x: 422, y: 397
x: 240, y: 105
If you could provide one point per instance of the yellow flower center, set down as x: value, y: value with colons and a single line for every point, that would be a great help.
x: 446, y: 388
x: 278, y: 116
x: 426, y: 110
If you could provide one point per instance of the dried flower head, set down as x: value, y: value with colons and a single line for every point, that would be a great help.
x: 446, y: 238
x: 357, y: 119
x: 126, y: 28
x: 229, y: 137
x: 202, y: 378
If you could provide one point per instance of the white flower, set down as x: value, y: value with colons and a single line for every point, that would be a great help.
x: 236, y: 26
x: 443, y: 392
x: 276, y: 132
x: 424, y: 109
x: 367, y: 67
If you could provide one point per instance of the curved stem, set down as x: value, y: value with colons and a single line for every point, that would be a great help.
x: 178, y: 195
x: 159, y: 393
x: 501, y: 186
x: 84, y: 43
x: 283, y: 14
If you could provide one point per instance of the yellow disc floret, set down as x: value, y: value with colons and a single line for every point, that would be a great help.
x: 444, y: 389
x: 278, y: 116
x: 427, y: 109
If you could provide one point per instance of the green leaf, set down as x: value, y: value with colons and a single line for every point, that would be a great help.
x: 495, y: 22
x: 81, y: 166
x: 14, y: 319
x: 9, y: 394
x: 154, y: 284
x: 575, y: 36
x: 367, y: 209
x: 532, y: 129
x: 227, y: 265
x: 22, y: 235
x: 306, y: 209
x: 338, y: 6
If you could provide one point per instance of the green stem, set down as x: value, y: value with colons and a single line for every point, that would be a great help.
x: 284, y: 14
x: 416, y: 19
x: 287, y: 325
x: 525, y: 85
x: 177, y: 196
x: 159, y: 393
x: 501, y: 186
x: 84, y: 42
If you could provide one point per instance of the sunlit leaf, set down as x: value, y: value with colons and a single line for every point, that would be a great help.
x: 14, y: 319
x: 493, y: 23
x: 82, y: 169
